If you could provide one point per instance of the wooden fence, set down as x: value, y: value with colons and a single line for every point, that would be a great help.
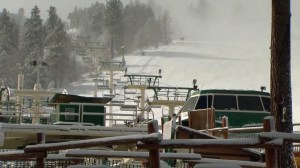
x: 269, y: 139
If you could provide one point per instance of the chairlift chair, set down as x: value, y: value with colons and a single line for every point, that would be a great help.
x: 128, y: 108
x: 103, y: 87
x: 109, y: 95
x: 121, y: 82
x: 129, y: 91
x: 117, y: 101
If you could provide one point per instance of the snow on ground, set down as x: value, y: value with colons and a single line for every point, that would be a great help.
x: 214, y: 65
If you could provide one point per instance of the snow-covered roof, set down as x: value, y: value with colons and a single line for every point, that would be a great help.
x: 215, y: 165
x: 235, y: 162
x: 205, y: 143
x: 88, y: 166
x: 130, y: 154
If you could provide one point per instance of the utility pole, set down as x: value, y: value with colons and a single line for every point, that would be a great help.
x: 281, y: 95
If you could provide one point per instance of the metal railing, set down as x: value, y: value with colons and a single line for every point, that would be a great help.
x: 75, y: 112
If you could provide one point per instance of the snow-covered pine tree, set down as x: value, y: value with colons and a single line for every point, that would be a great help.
x: 166, y: 27
x: 136, y: 16
x: 32, y: 46
x: 114, y: 24
x: 8, y: 49
x: 56, y: 47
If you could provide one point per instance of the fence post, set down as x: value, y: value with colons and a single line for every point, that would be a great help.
x: 40, y: 160
x: 225, y: 125
x: 154, y: 158
x: 270, y: 153
x: 212, y: 117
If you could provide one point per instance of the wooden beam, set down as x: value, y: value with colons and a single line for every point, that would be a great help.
x: 18, y: 155
x: 130, y: 154
x: 224, y: 161
x: 88, y: 166
x: 281, y: 135
x: 194, y: 133
x: 246, y: 130
x: 206, y: 143
x: 216, y: 165
x: 128, y: 139
x: 22, y: 156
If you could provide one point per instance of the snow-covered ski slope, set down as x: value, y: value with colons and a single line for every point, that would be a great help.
x: 214, y: 65
x: 226, y: 66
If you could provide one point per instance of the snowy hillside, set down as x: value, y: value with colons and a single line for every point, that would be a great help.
x: 214, y: 65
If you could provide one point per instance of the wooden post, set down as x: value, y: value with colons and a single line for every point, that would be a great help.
x: 225, y: 125
x: 212, y: 117
x: 40, y: 159
x: 154, y: 158
x: 280, y: 73
x: 270, y: 153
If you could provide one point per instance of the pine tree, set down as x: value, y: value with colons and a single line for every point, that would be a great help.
x: 97, y: 22
x: 114, y: 24
x: 32, y: 45
x: 8, y: 49
x: 56, y: 45
x: 166, y: 27
x: 19, y: 18
x: 89, y: 22
x: 153, y: 31
x: 133, y: 22
x: 136, y: 16
x: 74, y: 18
x: 52, y: 20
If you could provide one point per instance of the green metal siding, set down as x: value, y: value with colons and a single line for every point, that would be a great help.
x: 81, y: 114
x: 240, y: 118
x: 96, y: 119
x: 69, y: 108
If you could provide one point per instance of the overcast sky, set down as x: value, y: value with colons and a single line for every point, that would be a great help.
x: 176, y: 7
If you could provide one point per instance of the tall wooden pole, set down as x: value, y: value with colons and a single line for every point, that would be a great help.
x: 281, y: 95
x: 40, y: 159
x: 270, y: 153
x: 154, y: 158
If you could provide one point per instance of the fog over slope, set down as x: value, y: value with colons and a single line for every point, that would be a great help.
x: 236, y: 30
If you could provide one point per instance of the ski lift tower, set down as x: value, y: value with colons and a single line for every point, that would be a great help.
x: 142, y: 82
x: 111, y: 67
x: 171, y: 96
x: 91, y: 55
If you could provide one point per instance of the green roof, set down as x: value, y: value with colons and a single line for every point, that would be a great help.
x: 66, y: 98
